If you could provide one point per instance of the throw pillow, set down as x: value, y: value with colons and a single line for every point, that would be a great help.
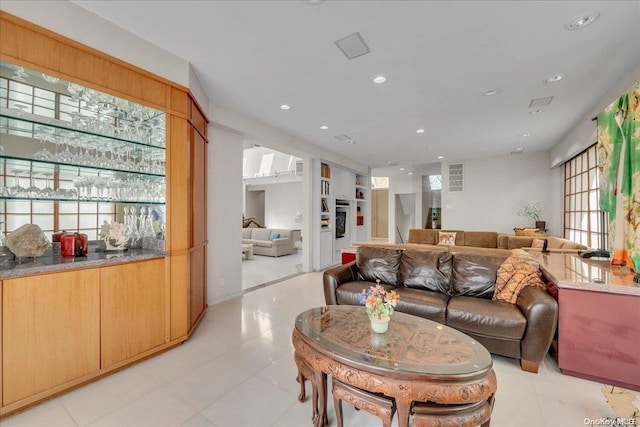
x: 512, y: 276
x: 537, y: 244
x: 275, y: 236
x: 447, y: 238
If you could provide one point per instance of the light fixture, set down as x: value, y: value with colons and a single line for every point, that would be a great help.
x: 409, y: 173
x: 324, y: 127
x: 491, y: 92
x: 440, y: 157
x: 401, y: 169
x: 554, y: 78
x: 534, y: 112
x: 582, y: 20
x: 525, y: 134
x: 285, y: 107
x: 420, y: 131
x: 379, y: 79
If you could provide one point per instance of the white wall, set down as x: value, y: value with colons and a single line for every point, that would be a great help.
x: 224, y: 214
x: 492, y: 189
x: 281, y: 202
x: 584, y: 133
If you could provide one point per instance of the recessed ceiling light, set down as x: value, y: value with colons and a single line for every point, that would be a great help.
x: 420, y: 131
x: 554, y: 78
x: 520, y: 149
x: 350, y: 142
x: 379, y: 79
x: 582, y: 20
x: 324, y: 127
x: 534, y: 112
x: 401, y: 169
x: 491, y: 92
x: 440, y: 157
x: 409, y: 173
x: 285, y: 107
x: 524, y: 135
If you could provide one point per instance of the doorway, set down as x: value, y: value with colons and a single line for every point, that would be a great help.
x: 380, y: 214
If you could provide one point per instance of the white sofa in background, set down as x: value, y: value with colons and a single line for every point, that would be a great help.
x: 271, y: 241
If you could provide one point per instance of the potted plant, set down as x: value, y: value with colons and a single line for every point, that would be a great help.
x: 533, y: 211
x: 380, y: 304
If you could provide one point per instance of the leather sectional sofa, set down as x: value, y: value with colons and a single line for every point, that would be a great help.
x: 454, y: 289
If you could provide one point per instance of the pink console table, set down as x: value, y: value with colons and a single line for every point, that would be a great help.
x: 599, y: 319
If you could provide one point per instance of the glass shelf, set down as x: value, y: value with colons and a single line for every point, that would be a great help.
x: 93, y: 200
x: 13, y: 122
x: 71, y: 167
x: 29, y: 90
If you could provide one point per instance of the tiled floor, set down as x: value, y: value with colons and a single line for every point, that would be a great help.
x: 266, y: 269
x: 238, y: 370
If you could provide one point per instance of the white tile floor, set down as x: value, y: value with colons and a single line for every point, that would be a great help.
x: 238, y: 370
x: 266, y: 269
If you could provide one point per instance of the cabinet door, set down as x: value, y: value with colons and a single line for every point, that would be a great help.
x: 50, y: 331
x: 134, y: 309
x: 197, y: 291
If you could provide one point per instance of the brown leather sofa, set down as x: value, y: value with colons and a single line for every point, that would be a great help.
x: 454, y: 289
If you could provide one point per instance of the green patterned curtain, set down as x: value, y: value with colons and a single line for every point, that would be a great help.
x: 619, y: 164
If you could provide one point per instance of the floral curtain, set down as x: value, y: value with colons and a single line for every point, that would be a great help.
x: 619, y: 164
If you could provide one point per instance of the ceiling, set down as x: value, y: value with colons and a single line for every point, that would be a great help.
x: 440, y: 57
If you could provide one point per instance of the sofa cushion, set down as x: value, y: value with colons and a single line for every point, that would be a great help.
x: 481, y: 239
x: 246, y: 233
x: 262, y: 243
x: 424, y: 236
x: 347, y: 293
x: 261, y: 234
x: 485, y: 317
x: 425, y: 304
x: 474, y: 275
x: 447, y: 238
x: 378, y: 263
x: 426, y: 270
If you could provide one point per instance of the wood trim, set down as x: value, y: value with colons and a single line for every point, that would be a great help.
x: 28, y: 44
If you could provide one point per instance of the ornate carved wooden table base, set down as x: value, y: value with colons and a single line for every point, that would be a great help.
x: 415, y: 361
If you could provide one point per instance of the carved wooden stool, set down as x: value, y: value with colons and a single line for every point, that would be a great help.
x: 305, y: 372
x: 378, y: 405
x: 466, y: 415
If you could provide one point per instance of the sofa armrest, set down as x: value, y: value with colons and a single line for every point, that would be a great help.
x: 541, y: 311
x: 282, y: 241
x: 335, y: 277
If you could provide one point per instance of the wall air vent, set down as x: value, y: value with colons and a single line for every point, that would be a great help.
x: 299, y: 168
x: 343, y: 138
x: 540, y: 102
x: 456, y: 177
x: 353, y: 46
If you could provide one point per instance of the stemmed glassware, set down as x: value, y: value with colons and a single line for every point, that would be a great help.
x: 17, y: 190
x: 43, y: 154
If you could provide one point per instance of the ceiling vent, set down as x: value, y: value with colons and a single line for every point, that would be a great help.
x: 456, y: 177
x: 353, y: 46
x: 540, y: 102
x: 343, y: 138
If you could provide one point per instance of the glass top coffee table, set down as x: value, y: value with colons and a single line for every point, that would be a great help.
x: 416, y: 360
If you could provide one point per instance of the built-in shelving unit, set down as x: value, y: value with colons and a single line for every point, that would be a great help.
x: 340, y: 193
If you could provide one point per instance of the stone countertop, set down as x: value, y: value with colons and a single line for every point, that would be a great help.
x: 569, y: 271
x: 53, y: 262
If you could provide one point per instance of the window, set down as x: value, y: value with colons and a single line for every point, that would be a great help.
x: 583, y: 221
x: 379, y: 182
